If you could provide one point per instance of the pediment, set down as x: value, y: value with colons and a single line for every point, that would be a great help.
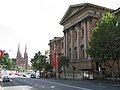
x: 116, y: 11
x: 71, y: 11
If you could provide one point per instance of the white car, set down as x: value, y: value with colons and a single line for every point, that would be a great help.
x: 5, y: 79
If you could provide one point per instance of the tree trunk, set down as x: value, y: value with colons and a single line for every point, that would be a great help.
x: 64, y: 72
x: 113, y: 74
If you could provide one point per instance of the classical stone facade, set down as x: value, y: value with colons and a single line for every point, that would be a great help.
x: 22, y: 61
x: 78, y: 22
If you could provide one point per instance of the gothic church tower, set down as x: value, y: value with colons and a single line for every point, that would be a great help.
x: 22, y: 61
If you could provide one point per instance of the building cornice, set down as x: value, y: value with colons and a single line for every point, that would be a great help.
x: 116, y: 11
x: 81, y: 6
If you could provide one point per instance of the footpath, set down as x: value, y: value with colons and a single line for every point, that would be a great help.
x: 108, y: 81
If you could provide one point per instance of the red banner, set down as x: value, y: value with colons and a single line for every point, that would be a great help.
x: 1, y: 53
x: 54, y: 59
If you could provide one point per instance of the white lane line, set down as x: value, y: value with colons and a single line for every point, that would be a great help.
x: 67, y: 85
x: 0, y: 87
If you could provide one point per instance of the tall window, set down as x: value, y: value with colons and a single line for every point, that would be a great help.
x: 75, y: 53
x: 75, y: 35
x: 62, y: 45
x: 82, y: 49
x: 83, y: 54
x: 69, y: 53
x: 82, y: 32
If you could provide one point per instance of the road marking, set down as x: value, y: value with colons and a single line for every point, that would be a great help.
x: 67, y: 85
x: 0, y: 87
x: 52, y: 86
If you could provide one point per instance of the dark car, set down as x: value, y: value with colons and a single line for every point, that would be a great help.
x: 24, y: 75
x: 5, y: 79
x: 32, y: 76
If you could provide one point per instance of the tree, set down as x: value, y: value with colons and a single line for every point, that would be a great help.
x: 104, y: 46
x: 63, y: 61
x: 6, y: 61
x: 48, y: 66
x: 39, y: 62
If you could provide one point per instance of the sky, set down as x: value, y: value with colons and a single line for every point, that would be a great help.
x: 35, y: 22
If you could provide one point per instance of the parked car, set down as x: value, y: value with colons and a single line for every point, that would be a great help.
x: 24, y: 75
x: 5, y: 79
x: 37, y: 76
x: 32, y: 76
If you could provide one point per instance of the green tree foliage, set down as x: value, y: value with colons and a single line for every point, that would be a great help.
x: 63, y: 61
x: 48, y: 66
x: 39, y: 62
x: 104, y: 46
x: 7, y: 62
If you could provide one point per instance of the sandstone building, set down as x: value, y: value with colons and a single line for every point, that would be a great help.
x: 78, y: 22
x: 56, y: 48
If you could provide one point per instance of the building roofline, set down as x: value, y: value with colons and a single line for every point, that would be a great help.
x: 116, y: 11
x: 84, y: 5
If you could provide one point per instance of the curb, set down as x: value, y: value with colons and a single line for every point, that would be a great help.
x: 92, y: 81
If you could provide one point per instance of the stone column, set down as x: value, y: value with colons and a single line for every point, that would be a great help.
x: 89, y: 28
x: 66, y: 43
x: 72, y: 44
x: 85, y: 38
x: 78, y: 41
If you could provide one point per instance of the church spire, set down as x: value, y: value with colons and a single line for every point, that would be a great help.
x: 19, y: 47
x: 26, y: 48
x: 25, y: 53
x: 18, y: 52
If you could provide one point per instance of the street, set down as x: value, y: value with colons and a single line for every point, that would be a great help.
x: 21, y: 83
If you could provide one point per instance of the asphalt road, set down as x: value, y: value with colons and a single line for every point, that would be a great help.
x: 20, y: 83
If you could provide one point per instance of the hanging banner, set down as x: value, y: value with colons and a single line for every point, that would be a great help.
x: 54, y: 59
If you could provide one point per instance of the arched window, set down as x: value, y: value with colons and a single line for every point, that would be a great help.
x: 62, y: 45
x: 83, y: 54
x: 82, y: 32
x: 69, y: 53
x: 82, y: 48
x: 75, y: 53
x: 75, y: 35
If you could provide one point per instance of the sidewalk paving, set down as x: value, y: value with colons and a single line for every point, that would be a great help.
x: 108, y: 81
